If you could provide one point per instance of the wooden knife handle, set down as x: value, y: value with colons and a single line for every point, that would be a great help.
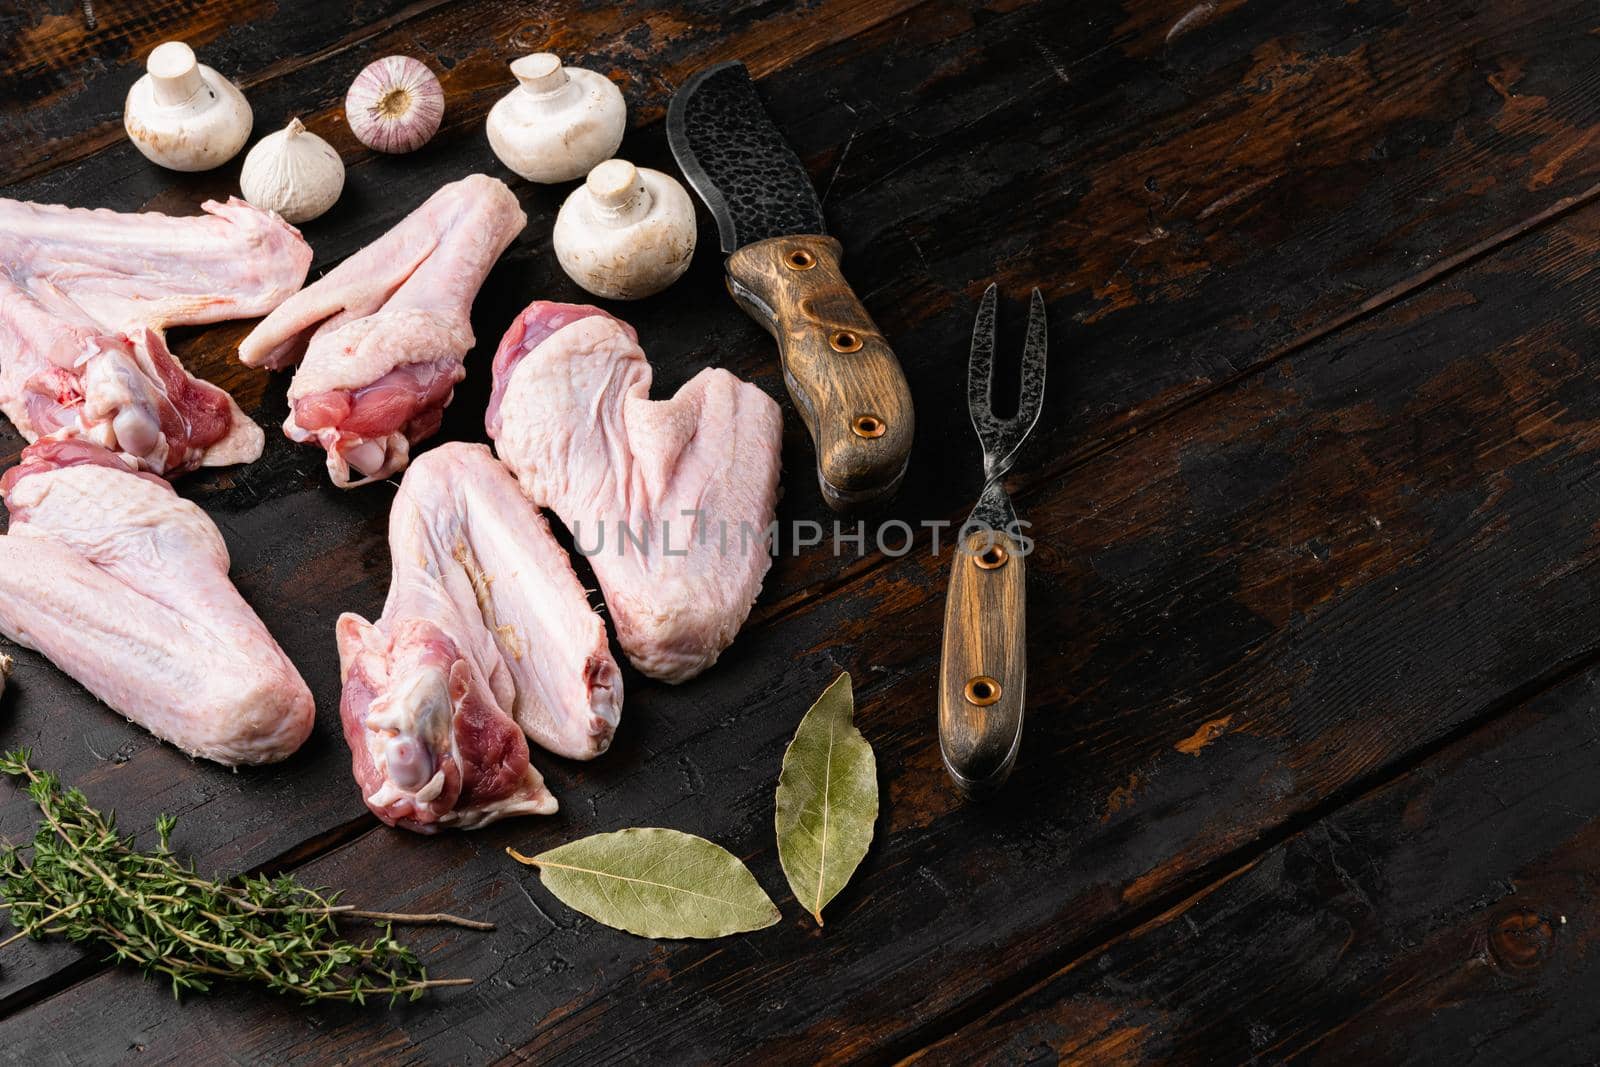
x: 983, y: 673
x: 840, y: 371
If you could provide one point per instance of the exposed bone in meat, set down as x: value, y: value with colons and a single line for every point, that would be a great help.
x: 485, y: 630
x: 84, y: 296
x: 125, y: 586
x: 381, y: 337
x: 672, y: 499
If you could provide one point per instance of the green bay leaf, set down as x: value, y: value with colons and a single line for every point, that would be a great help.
x: 655, y: 883
x: 827, y: 799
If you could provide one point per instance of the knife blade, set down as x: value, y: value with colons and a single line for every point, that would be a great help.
x: 783, y: 269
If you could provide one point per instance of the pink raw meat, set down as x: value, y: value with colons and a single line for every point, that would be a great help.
x: 380, y: 339
x: 125, y: 586
x: 486, y: 635
x: 84, y: 297
x: 673, y: 500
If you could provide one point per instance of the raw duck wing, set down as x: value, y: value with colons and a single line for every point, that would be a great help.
x: 128, y: 269
x: 486, y: 634
x: 380, y: 338
x: 124, y: 586
x: 673, y: 500
x: 84, y: 296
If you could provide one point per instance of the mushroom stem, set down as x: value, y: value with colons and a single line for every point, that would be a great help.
x: 540, y: 74
x: 619, y: 194
x: 174, y: 74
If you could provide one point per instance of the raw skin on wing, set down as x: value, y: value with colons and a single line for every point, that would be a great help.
x: 84, y: 298
x: 380, y: 339
x: 672, y: 500
x: 124, y: 586
x: 486, y: 635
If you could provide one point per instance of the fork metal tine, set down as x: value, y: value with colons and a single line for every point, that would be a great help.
x: 980, y: 365
x: 1002, y: 438
x: 1033, y: 353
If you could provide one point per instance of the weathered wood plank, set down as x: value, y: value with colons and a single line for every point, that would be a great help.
x: 303, y: 552
x: 300, y: 58
x: 69, y: 63
x: 1256, y: 605
x: 944, y: 96
x: 1447, y: 917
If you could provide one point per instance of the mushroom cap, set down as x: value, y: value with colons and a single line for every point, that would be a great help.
x: 559, y: 121
x: 182, y: 114
x: 627, y: 233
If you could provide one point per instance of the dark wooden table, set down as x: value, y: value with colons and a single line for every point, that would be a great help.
x: 1310, y: 769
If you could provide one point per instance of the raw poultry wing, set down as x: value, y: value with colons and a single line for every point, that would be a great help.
x: 380, y: 339
x: 486, y: 634
x: 672, y: 500
x: 84, y: 298
x: 124, y: 586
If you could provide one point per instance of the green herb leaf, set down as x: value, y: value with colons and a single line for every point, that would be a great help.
x: 827, y: 800
x: 656, y: 883
x: 80, y: 879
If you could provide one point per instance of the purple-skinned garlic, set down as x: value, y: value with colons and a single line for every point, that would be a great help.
x: 395, y: 105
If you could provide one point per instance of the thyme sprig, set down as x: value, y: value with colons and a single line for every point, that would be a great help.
x: 81, y: 879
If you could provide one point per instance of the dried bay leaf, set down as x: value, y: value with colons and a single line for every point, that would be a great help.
x: 655, y: 883
x: 827, y: 799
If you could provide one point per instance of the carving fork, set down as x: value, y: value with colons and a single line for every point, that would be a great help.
x: 983, y: 672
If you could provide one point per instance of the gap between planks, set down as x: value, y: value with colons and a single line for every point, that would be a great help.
x: 1205, y: 878
x: 1213, y: 874
x: 111, y: 137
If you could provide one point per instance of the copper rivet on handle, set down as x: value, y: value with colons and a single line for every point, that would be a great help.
x: 982, y: 691
x: 992, y: 558
x: 868, y: 426
x: 799, y: 259
x: 845, y: 341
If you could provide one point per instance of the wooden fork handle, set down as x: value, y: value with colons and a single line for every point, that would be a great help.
x: 984, y: 670
x: 840, y: 371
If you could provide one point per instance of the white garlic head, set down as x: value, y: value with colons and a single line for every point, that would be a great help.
x: 395, y: 105
x: 182, y: 114
x: 627, y: 233
x: 293, y: 172
x: 559, y: 123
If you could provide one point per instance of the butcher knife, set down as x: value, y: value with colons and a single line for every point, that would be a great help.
x: 783, y: 269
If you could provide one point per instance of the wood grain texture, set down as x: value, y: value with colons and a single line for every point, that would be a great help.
x: 841, y: 373
x: 1447, y: 918
x: 69, y: 63
x: 1246, y: 645
x: 1317, y: 480
x: 983, y: 668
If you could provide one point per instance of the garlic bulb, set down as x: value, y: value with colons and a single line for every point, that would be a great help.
x: 293, y: 172
x: 627, y: 232
x: 559, y: 122
x: 184, y: 115
x: 395, y: 105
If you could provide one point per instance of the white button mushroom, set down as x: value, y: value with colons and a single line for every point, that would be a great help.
x: 626, y: 233
x: 293, y: 172
x: 184, y: 115
x: 559, y: 122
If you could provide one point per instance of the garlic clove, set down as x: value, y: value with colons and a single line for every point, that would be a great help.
x: 182, y: 114
x: 293, y: 172
x: 559, y: 123
x: 627, y: 233
x: 395, y: 105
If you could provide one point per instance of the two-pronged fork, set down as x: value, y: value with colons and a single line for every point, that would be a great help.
x: 983, y: 673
